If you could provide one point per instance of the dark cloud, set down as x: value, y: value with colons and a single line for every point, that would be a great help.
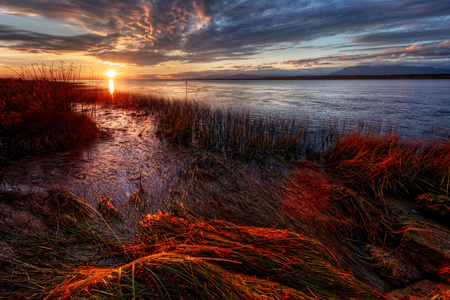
x: 135, y: 57
x: 402, y: 36
x: 150, y: 31
x: 28, y: 41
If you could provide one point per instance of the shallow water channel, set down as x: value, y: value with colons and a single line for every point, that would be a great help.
x: 129, y: 158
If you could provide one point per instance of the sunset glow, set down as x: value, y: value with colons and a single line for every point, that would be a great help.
x: 168, y: 39
x: 111, y: 73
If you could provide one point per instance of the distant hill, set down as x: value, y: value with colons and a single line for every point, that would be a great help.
x: 388, y: 70
x: 226, y: 76
x: 356, y: 72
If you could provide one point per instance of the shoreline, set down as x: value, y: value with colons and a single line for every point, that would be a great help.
x: 343, y: 77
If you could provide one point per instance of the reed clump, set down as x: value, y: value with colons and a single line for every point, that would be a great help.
x: 388, y: 164
x: 42, y: 132
x: 41, y: 87
x: 191, y: 124
x: 240, y: 135
x: 192, y: 258
x: 37, y: 113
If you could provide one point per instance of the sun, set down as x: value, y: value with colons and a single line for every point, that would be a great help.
x: 111, y: 73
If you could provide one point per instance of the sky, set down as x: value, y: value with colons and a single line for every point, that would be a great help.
x: 179, y: 39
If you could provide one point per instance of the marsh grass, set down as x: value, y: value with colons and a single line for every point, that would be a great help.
x: 37, y: 133
x: 37, y: 112
x: 42, y: 238
x: 372, y: 159
x: 388, y: 164
x: 55, y: 251
x: 190, y: 124
x: 234, y: 134
x: 186, y: 257
x: 371, y: 156
x: 305, y: 200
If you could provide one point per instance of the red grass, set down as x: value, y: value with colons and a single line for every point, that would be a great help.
x: 311, y: 195
x: 390, y: 164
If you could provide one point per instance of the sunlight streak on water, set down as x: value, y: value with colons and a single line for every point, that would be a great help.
x: 111, y: 86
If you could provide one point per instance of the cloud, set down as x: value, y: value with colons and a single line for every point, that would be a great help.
x: 134, y: 57
x: 401, y: 37
x: 258, y: 71
x: 28, y: 41
x: 436, y: 51
x: 146, y: 32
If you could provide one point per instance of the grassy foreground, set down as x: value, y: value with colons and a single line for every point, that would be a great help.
x: 176, y: 256
x: 236, y: 228
x: 57, y: 249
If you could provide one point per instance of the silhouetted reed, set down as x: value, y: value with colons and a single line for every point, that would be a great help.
x: 42, y: 87
x: 37, y: 112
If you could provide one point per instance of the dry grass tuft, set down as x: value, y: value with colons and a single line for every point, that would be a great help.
x: 389, y: 164
x: 179, y: 257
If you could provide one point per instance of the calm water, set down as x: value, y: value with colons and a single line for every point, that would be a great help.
x: 416, y: 106
x: 113, y: 165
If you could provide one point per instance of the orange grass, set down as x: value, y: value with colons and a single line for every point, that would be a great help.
x: 389, y: 164
x: 181, y: 257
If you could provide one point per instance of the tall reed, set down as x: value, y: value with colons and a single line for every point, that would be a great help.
x: 190, y: 124
x: 37, y: 114
x: 45, y: 87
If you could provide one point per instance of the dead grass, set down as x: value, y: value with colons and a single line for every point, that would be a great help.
x: 183, y: 257
x: 388, y: 164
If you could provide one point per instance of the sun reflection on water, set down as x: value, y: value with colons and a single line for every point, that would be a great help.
x: 111, y: 86
x: 111, y: 74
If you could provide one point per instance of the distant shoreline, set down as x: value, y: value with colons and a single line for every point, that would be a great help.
x: 333, y: 77
x: 4, y: 80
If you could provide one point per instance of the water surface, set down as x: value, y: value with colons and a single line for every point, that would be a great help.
x: 416, y: 106
x: 133, y: 157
